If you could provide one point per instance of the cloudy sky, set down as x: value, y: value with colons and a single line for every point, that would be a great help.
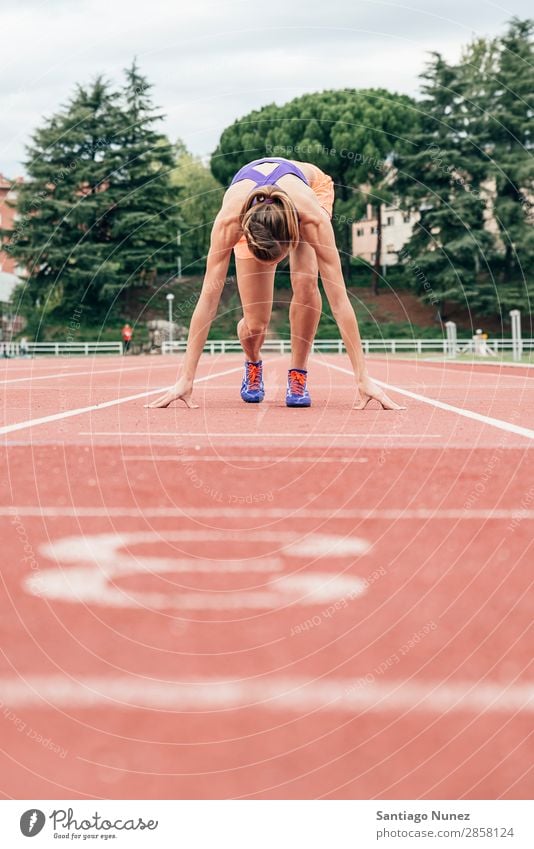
x: 212, y: 61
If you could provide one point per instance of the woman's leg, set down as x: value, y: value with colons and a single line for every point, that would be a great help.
x: 255, y: 282
x: 306, y: 303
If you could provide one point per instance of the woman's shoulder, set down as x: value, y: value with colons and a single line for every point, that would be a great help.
x: 226, y: 230
x: 310, y: 171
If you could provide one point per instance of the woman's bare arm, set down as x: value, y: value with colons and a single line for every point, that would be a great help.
x: 319, y: 233
x: 225, y: 234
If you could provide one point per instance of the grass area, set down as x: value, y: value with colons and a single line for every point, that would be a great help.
x: 372, y: 319
x: 527, y: 359
x: 394, y: 314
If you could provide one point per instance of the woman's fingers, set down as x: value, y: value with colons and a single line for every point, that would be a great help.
x: 385, y: 402
x: 389, y: 404
x: 189, y: 403
x: 168, y: 398
x: 163, y: 401
x: 362, y: 403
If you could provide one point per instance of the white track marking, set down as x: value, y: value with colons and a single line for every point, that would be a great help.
x: 94, y: 407
x: 270, y: 694
x: 249, y: 434
x: 460, y: 411
x: 93, y: 372
x: 221, y: 458
x: 101, y: 560
x: 242, y: 511
x: 495, y: 365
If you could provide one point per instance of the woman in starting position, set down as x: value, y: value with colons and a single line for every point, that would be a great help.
x: 274, y: 208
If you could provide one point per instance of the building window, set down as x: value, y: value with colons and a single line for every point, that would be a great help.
x: 373, y: 256
x: 360, y: 231
x: 373, y: 231
x: 390, y: 221
x: 406, y: 217
x: 390, y: 249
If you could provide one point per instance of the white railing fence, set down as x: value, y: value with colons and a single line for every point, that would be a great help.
x: 279, y: 346
x: 336, y: 346
x: 63, y: 349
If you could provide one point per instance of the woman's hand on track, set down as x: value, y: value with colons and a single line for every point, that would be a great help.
x: 369, y: 391
x: 180, y: 391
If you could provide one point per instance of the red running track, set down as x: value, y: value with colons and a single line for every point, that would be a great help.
x: 250, y: 601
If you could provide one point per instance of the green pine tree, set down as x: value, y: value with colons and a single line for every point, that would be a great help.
x: 62, y: 229
x: 442, y: 178
x: 98, y: 214
x: 145, y: 217
x: 512, y: 136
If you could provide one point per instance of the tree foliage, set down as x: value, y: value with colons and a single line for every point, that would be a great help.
x: 470, y: 176
x: 351, y: 134
x: 200, y: 200
x: 97, y: 213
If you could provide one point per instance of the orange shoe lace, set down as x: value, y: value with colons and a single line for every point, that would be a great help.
x: 297, y: 382
x: 253, y: 377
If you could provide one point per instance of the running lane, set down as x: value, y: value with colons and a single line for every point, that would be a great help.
x: 250, y: 601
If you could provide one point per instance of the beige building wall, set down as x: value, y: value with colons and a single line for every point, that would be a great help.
x: 7, y: 221
x: 397, y: 227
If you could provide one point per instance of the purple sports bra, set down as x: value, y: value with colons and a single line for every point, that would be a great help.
x: 248, y: 172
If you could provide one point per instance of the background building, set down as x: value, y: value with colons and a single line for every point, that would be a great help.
x: 397, y: 228
x: 10, y: 273
x: 8, y: 217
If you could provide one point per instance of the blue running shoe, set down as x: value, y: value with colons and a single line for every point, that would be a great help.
x: 252, y: 389
x: 297, y: 395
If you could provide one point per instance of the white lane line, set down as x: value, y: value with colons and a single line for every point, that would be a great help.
x: 441, y: 405
x: 271, y: 694
x: 93, y: 372
x: 249, y: 434
x: 498, y: 366
x: 221, y: 458
x: 518, y: 513
x: 432, y: 362
x: 479, y: 388
x: 68, y: 413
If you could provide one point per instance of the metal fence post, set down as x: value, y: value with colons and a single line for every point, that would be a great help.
x: 517, y: 342
x: 451, y: 344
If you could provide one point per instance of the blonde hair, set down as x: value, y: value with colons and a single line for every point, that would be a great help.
x: 270, y: 223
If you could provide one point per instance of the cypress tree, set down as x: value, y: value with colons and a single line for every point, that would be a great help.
x: 61, y: 232
x: 98, y: 214
x: 512, y: 135
x: 442, y: 178
x: 145, y: 218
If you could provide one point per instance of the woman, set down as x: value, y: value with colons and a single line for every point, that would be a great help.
x: 274, y: 208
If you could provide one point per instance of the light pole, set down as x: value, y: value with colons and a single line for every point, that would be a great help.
x: 179, y: 259
x: 170, y: 299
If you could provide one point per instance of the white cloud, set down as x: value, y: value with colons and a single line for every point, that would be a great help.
x: 212, y: 62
